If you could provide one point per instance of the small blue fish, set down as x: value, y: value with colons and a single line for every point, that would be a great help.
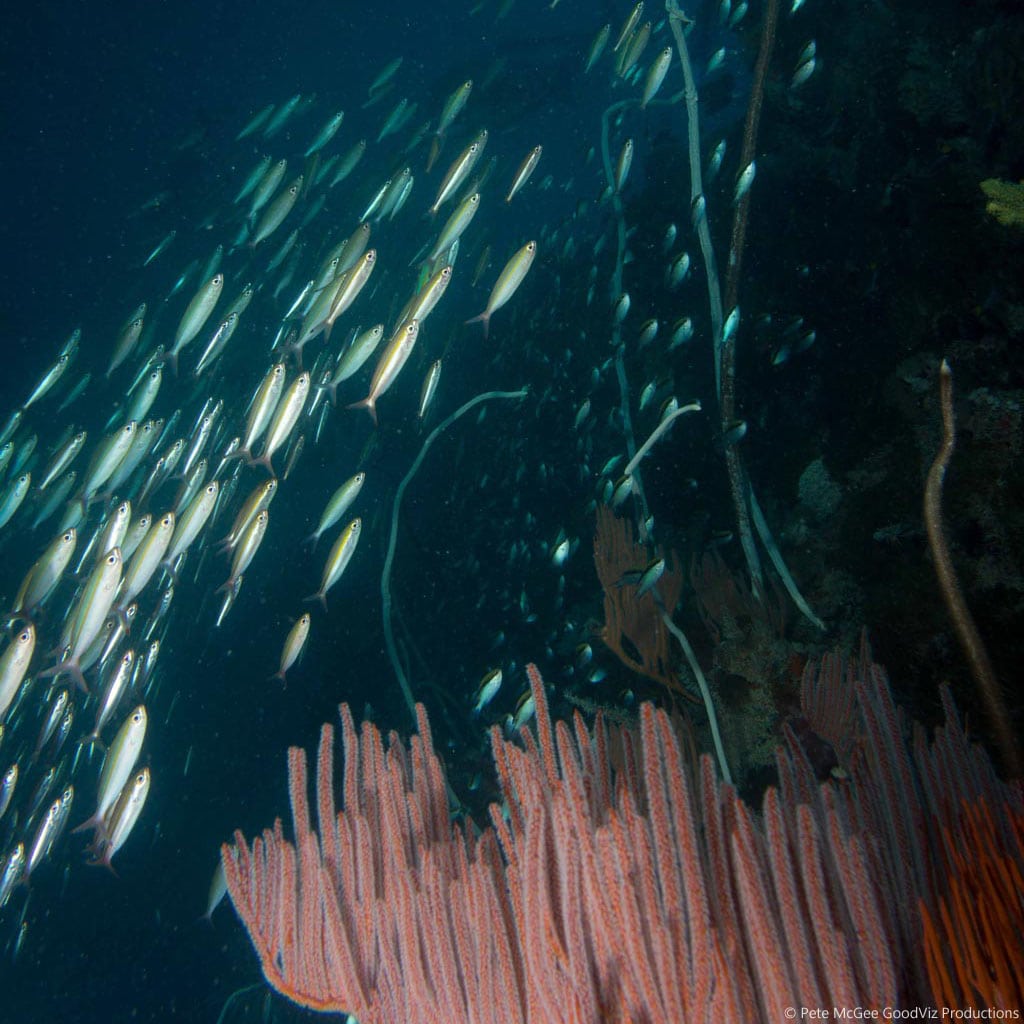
x: 643, y: 579
x: 487, y: 690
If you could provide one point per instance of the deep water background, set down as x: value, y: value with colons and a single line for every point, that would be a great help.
x: 867, y: 220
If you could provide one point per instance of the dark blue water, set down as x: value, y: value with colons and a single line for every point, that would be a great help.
x: 867, y: 220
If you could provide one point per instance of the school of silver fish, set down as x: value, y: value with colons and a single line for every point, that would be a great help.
x: 320, y: 284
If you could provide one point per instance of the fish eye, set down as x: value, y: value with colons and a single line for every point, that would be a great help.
x: 166, y: 521
x: 68, y: 537
x: 211, y: 488
x: 137, y: 716
x: 25, y: 636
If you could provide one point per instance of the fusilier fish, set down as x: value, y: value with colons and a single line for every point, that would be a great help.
x: 7, y: 787
x: 45, y: 836
x: 146, y: 560
x: 56, y: 497
x: 195, y: 315
x: 429, y: 389
x: 50, y: 378
x: 89, y: 614
x: 276, y: 212
x: 351, y: 285
x: 526, y: 168
x: 285, y: 417
x: 633, y: 51
x: 63, y: 458
x: 118, y: 766
x: 14, y: 664
x: 508, y: 282
x: 337, y: 560
x: 293, y: 645
x: 267, y: 187
x: 359, y: 350
x: 113, y: 530
x: 340, y: 502
x: 161, y: 247
x: 45, y: 574
x: 348, y: 162
x: 246, y: 548
x: 456, y: 225
x: 262, y: 408
x: 386, y: 74
x: 389, y: 366
x: 256, y: 122
x: 109, y: 456
x: 135, y: 535
x: 11, y: 874
x: 422, y: 304
x: 597, y: 46
x: 459, y: 171
x: 398, y: 116
x: 114, y: 687
x: 282, y: 116
x: 120, y: 821
x: 628, y: 26
x: 259, y: 498
x: 656, y: 75
x: 255, y: 176
x: 144, y: 396
x: 217, y: 343
x: 12, y: 497
x: 191, y: 521
x: 326, y: 133
x: 623, y: 165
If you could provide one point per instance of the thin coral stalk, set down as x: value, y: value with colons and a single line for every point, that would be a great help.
x: 963, y: 622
